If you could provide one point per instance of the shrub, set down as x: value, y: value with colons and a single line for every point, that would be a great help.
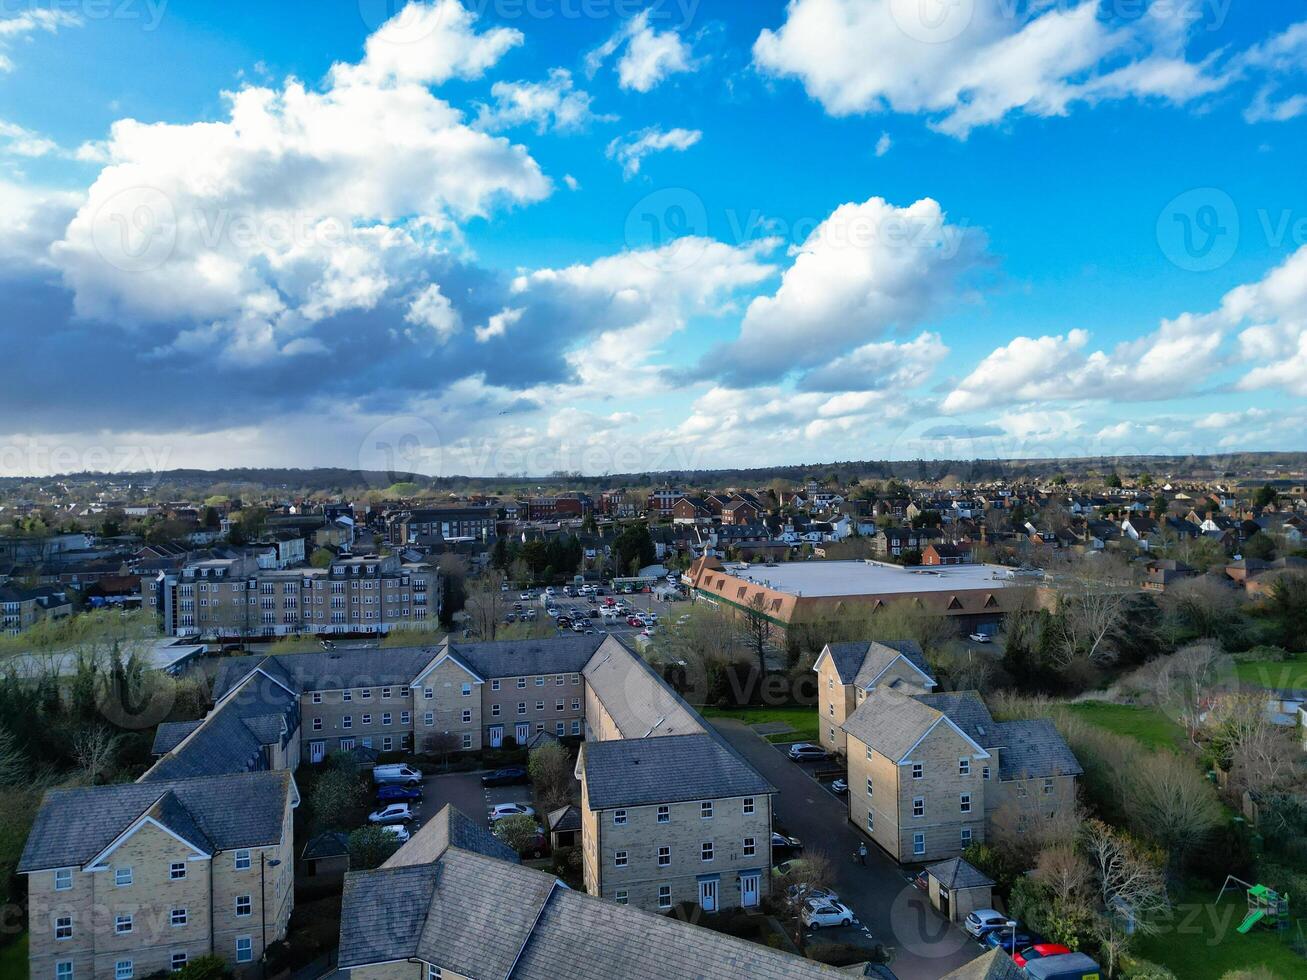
x: 203, y: 968
x: 369, y: 847
x: 1136, y: 969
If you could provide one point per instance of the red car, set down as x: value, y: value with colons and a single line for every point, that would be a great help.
x: 633, y: 621
x: 1038, y: 952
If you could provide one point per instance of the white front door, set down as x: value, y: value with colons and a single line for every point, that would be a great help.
x: 748, y: 890
x: 317, y: 751
x: 708, y: 895
x: 522, y: 733
x: 496, y: 736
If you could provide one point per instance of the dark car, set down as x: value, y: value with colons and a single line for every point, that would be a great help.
x: 783, y: 847
x: 1003, y: 939
x: 510, y: 776
x: 398, y: 794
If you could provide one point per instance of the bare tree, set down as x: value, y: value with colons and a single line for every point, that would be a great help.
x: 1170, y: 803
x: 1094, y: 597
x: 1130, y: 885
x: 1064, y: 871
x: 486, y: 606
x: 1180, y: 683
x: 1200, y: 605
x: 757, y: 627
x: 1261, y: 755
x: 441, y: 745
x: 551, y: 774
x: 94, y: 748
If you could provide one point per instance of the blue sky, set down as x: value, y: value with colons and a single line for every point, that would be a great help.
x: 515, y: 236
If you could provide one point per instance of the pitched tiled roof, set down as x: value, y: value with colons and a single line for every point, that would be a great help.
x: 994, y: 965
x: 74, y: 825
x: 169, y: 733
x: 522, y: 658
x: 449, y: 828
x: 672, y: 769
x: 891, y: 723
x: 855, y: 658
x: 957, y: 873
x: 329, y: 670
x: 563, y: 819
x: 635, y: 695
x: 1034, y: 748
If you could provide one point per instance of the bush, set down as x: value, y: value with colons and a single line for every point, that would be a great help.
x: 203, y: 968
x: 1136, y: 969
x: 369, y: 847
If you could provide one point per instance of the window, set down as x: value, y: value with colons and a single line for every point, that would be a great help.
x: 664, y: 856
x: 367, y: 694
x: 576, y: 704
x: 918, y: 806
x: 558, y: 705
x: 705, y: 851
x: 521, y: 682
x: 467, y: 716
x: 984, y: 772
x: 540, y: 706
x: 244, y: 949
x: 367, y: 719
x: 178, y: 961
x: 63, y: 927
x: 964, y: 767
x: 385, y: 692
x: 966, y: 803
x: 317, y: 724
x: 122, y: 925
x: 428, y: 693
x: 619, y: 818
x: 177, y: 917
x: 664, y: 896
x: 347, y: 745
x: 966, y: 836
x: 63, y: 879
x: 63, y: 970
x: 576, y: 678
x: 177, y: 871
x: 434, y: 972
x: 870, y: 788
x: 387, y: 743
x: 347, y: 695
x: 664, y: 814
x: 521, y: 707
x: 576, y: 726
x: 1048, y: 785
x: 123, y: 970
x: 467, y: 741
x: 122, y: 877
x: 705, y: 810
x: 749, y: 846
x: 869, y: 753
x: 619, y: 859
x: 918, y: 770
x: 385, y: 717
x: 242, y: 860
x: 871, y: 822
x: 560, y: 728
x: 748, y: 804
x: 620, y: 896
x: 346, y: 721
x: 540, y: 681
x: 919, y: 843
x: 494, y: 711
x: 317, y: 697
x: 494, y: 684
x: 467, y: 689
x: 404, y: 717
x: 243, y: 905
x: 429, y: 718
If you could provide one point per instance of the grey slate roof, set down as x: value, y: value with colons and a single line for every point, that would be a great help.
x: 957, y: 873
x: 670, y: 769
x: 993, y: 965
x: 450, y: 828
x: 232, y: 737
x: 523, y: 658
x: 890, y: 722
x: 586, y: 938
x: 331, y: 844
x: 858, y: 662
x: 169, y: 733
x: 1034, y: 748
x: 74, y: 825
x: 563, y: 819
x: 635, y: 695
x: 329, y: 670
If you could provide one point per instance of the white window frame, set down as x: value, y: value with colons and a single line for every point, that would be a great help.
x: 918, y: 770
x: 871, y: 822
x: 177, y: 871
x: 620, y: 859
x: 124, y: 970
x: 123, y: 924
x: 122, y: 877
x: 919, y: 843
x: 664, y: 896
x: 178, y: 917
x: 964, y: 803
x: 241, y: 860
x: 664, y: 814
x: 620, y: 896
x: 965, y: 837
x: 663, y: 856
x: 63, y: 922
x: 918, y: 807
x: 248, y: 902
x: 619, y: 818
x: 63, y: 970
x: 750, y: 846
x: 964, y: 767
x: 178, y: 960
x: 63, y: 879
x: 705, y: 810
x: 748, y: 805
x: 707, y: 852
x: 248, y: 947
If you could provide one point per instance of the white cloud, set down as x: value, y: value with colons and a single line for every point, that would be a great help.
x: 497, y: 325
x: 431, y: 308
x: 30, y: 220
x: 552, y: 104
x: 299, y: 205
x: 630, y: 150
x: 865, y: 269
x: 22, y: 142
x: 966, y: 65
x: 572, y: 183
x: 29, y: 22
x: 650, y: 56
x: 884, y: 144
x: 426, y: 44
x: 879, y: 366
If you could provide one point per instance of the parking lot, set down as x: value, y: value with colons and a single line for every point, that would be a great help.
x: 464, y: 791
x: 641, y: 602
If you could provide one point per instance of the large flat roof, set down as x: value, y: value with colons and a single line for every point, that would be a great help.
x: 843, y: 578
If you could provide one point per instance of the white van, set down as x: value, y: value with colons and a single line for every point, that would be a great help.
x: 395, y: 774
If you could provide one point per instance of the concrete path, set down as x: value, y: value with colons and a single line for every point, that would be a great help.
x: 926, y: 946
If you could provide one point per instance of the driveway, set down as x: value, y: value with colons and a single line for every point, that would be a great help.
x: 925, y: 944
x: 465, y: 792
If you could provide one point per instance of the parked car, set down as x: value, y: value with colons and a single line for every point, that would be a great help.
x: 394, y: 793
x: 508, y: 776
x: 391, y: 813
x: 1039, y: 951
x: 397, y: 831
x: 822, y: 912
x: 1068, y: 966
x: 980, y: 638
x: 783, y: 847
x: 1003, y: 939
x: 840, y: 786
x: 921, y: 880
x: 982, y: 921
x: 797, y: 894
x: 396, y: 773
x: 806, y: 752
x: 502, y: 810
x: 525, y: 597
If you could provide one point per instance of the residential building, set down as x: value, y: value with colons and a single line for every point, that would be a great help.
x: 22, y: 608
x: 133, y: 879
x: 847, y: 671
x: 435, y: 524
x: 452, y: 904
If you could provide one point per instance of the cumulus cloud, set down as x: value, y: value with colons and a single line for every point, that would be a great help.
x: 555, y: 104
x: 965, y: 65
x: 649, y: 56
x: 432, y: 309
x: 28, y: 22
x: 879, y: 366
x: 16, y: 140
x: 865, y: 269
x: 630, y: 150
x: 300, y: 204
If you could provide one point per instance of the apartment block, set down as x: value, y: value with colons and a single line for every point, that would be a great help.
x: 847, y: 671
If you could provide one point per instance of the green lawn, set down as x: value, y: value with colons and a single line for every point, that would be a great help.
x: 1149, y: 725
x: 1200, y: 942
x: 1273, y: 673
x: 13, y: 960
x: 802, y: 719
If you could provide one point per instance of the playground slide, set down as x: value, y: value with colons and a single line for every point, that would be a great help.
x: 1251, y: 919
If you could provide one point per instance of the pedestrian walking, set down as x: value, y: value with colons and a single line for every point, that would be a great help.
x: 862, y: 854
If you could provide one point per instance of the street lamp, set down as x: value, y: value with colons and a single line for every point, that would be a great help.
x: 264, y: 862
x: 1012, y: 924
